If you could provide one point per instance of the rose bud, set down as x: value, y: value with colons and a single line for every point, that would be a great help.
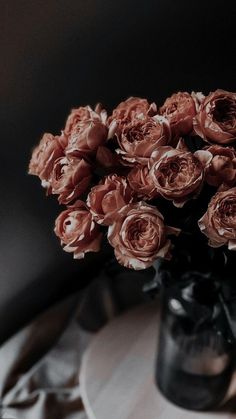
x: 215, y: 121
x: 78, y: 232
x: 142, y: 183
x: 130, y: 109
x: 178, y: 175
x: 86, y: 131
x: 139, y: 236
x: 179, y: 109
x: 108, y: 197
x: 219, y: 222
x: 70, y: 178
x: 44, y: 155
x: 222, y: 167
x: 140, y: 138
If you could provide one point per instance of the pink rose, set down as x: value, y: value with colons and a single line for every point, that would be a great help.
x: 141, y: 137
x: 178, y: 174
x: 127, y: 111
x: 108, y: 197
x: 139, y: 236
x: 222, y: 167
x: 70, y: 178
x: 141, y: 182
x: 179, y: 109
x: 215, y: 121
x: 78, y: 232
x: 219, y: 222
x: 83, y: 114
x: 44, y: 155
x: 86, y: 130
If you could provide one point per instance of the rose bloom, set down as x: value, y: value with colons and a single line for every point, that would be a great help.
x: 180, y: 109
x: 215, y: 121
x: 86, y: 130
x: 83, y: 114
x: 222, y: 167
x: 44, y: 155
x: 139, y: 236
x: 219, y: 222
x: 178, y: 175
x: 141, y: 182
x: 108, y: 197
x: 130, y: 109
x: 70, y: 178
x: 78, y: 232
x: 140, y: 138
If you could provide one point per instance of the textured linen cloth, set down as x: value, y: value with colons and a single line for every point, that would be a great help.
x: 39, y: 366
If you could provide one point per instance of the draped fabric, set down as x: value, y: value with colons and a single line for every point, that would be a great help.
x: 39, y: 366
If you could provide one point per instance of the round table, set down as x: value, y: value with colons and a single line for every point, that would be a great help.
x: 117, y: 373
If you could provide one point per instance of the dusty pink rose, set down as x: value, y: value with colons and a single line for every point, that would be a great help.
x: 139, y: 236
x: 44, y: 155
x: 127, y: 111
x: 77, y: 115
x: 70, y: 178
x: 140, y: 138
x: 222, y: 167
x: 178, y: 175
x: 78, y: 232
x: 141, y: 182
x: 83, y: 114
x: 107, y: 198
x: 86, y: 130
x: 219, y: 222
x: 180, y: 109
x: 215, y: 121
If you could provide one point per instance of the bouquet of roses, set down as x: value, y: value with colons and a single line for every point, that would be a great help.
x: 129, y: 175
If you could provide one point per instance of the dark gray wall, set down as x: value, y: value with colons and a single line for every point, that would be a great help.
x: 58, y: 54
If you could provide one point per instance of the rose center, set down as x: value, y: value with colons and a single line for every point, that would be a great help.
x: 225, y: 112
x: 227, y: 211
x: 61, y: 169
x: 72, y: 223
x: 141, y: 234
x: 135, y: 135
x: 137, y: 229
x: 141, y: 132
x: 176, y: 173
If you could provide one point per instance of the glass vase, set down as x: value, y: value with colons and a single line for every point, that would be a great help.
x: 196, y: 348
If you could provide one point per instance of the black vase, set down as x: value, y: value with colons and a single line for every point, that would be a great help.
x: 196, y: 348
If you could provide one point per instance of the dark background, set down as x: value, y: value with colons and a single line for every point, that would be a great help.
x: 55, y: 55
